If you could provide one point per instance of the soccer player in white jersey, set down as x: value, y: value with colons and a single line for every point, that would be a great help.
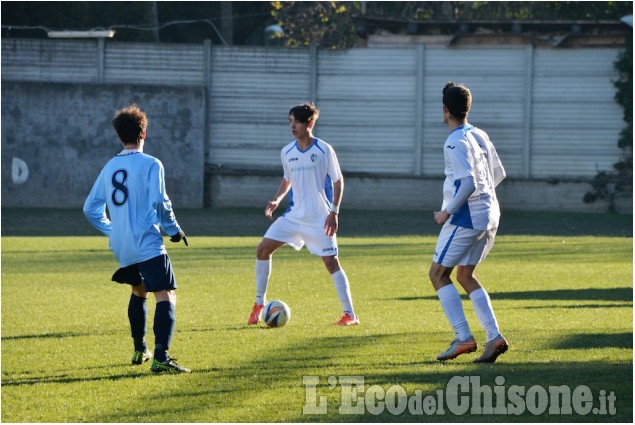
x: 314, y: 180
x: 132, y: 186
x: 469, y: 215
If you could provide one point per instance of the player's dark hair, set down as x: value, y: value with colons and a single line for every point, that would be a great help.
x: 130, y: 123
x: 458, y: 99
x: 305, y: 112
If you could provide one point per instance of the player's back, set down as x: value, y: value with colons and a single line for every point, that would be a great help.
x: 472, y: 154
x: 132, y: 189
x: 496, y: 169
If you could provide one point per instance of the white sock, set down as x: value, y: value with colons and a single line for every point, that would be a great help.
x: 343, y: 291
x: 453, y: 309
x: 485, y: 313
x: 263, y: 271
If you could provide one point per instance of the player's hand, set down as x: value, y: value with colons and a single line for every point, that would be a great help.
x: 331, y: 224
x: 271, y: 207
x: 179, y: 236
x: 441, y: 217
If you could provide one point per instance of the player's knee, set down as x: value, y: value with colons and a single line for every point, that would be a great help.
x: 139, y: 291
x: 332, y: 264
x: 167, y: 295
x: 465, y: 277
x: 262, y: 253
x: 463, y: 280
x: 435, y: 274
x: 439, y: 276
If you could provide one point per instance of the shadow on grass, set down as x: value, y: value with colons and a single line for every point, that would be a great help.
x: 251, y: 222
x: 54, y: 335
x: 336, y: 356
x: 98, y: 373
x: 248, y: 388
x: 578, y: 306
x: 588, y: 341
x: 590, y: 294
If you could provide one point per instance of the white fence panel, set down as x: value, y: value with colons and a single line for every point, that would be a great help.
x: 550, y: 112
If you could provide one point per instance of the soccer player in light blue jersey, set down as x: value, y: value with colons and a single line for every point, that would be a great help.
x: 314, y: 180
x: 470, y: 214
x: 132, y: 188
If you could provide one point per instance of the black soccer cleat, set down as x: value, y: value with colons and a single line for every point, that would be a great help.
x: 168, y: 366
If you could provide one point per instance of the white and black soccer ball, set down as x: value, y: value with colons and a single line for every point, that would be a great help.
x: 277, y: 314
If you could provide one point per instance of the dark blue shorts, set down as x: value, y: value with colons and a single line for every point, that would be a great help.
x: 155, y: 274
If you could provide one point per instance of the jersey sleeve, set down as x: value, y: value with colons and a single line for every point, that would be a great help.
x: 95, y: 207
x: 496, y: 166
x: 285, y: 166
x: 494, y: 163
x: 160, y: 200
x: 333, y: 169
x: 461, y: 160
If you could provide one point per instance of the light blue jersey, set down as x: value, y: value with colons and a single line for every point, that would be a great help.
x: 132, y: 186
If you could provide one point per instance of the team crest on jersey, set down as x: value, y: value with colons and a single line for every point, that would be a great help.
x: 314, y: 157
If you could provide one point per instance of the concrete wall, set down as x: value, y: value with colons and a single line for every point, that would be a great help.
x: 412, y: 193
x: 57, y: 137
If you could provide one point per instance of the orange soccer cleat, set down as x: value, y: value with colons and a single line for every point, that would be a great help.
x: 256, y: 312
x: 457, y: 348
x: 347, y: 320
x: 493, y: 349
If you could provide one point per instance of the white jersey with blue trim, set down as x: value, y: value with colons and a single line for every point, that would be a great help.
x: 312, y: 173
x: 468, y: 152
x: 132, y: 186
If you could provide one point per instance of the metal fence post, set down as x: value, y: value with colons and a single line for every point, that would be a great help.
x: 418, y: 119
x: 313, y: 64
x: 101, y: 59
x: 529, y: 89
x: 207, y: 90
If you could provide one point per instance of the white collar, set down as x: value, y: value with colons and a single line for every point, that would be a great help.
x: 130, y: 151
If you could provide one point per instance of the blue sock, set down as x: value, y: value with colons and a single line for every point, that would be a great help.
x: 164, y: 321
x: 138, y: 314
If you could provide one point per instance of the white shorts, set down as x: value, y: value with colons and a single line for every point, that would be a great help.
x: 460, y: 246
x: 298, y: 234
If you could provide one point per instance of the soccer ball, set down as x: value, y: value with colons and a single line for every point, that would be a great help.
x: 277, y: 314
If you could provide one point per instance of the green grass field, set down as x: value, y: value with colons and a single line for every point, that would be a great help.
x: 561, y: 286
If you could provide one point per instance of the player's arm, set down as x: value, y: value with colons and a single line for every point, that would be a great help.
x: 95, y: 208
x: 463, y: 166
x: 283, y: 189
x: 464, y: 191
x: 331, y: 225
x: 163, y: 204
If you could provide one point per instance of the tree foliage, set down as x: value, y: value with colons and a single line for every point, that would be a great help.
x: 329, y: 23
x: 612, y: 185
x: 324, y: 23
